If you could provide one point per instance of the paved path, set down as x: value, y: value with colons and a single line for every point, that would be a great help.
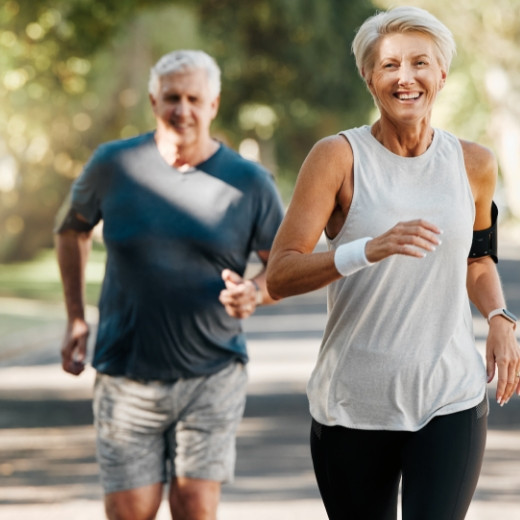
x: 47, y: 462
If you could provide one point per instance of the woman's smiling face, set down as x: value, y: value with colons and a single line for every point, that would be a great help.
x: 406, y: 76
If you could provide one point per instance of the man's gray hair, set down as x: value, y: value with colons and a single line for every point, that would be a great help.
x: 183, y: 60
x: 400, y: 20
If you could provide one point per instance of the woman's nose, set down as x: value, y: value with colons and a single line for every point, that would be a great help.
x: 406, y: 76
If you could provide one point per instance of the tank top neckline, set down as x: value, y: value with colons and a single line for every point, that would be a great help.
x: 424, y: 156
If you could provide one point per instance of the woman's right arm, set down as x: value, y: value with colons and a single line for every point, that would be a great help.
x: 322, y: 197
x: 293, y: 267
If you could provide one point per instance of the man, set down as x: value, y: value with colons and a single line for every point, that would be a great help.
x: 181, y: 214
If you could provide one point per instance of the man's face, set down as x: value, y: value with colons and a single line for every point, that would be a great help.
x: 184, y: 107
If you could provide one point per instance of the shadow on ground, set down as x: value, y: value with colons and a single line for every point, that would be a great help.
x: 50, y: 444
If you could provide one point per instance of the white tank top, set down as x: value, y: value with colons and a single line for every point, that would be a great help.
x: 399, y: 348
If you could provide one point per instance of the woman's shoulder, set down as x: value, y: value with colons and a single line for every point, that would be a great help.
x: 480, y: 161
x: 333, y: 146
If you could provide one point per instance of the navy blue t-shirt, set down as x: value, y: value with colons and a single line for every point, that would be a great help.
x: 169, y: 235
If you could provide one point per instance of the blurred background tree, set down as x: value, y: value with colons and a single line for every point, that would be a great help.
x: 69, y: 80
x: 74, y: 74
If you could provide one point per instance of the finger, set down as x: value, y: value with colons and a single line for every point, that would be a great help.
x: 227, y: 299
x: 502, y: 384
x: 512, y: 382
x: 234, y: 301
x: 246, y: 310
x: 490, y: 368
x: 80, y: 353
x: 427, y: 241
x: 73, y: 366
x: 231, y: 278
x: 508, y: 392
x: 430, y: 227
x: 238, y: 294
x: 423, y: 239
x: 414, y: 239
x: 66, y: 352
x: 76, y: 367
x: 73, y: 355
x: 416, y: 248
x: 240, y: 312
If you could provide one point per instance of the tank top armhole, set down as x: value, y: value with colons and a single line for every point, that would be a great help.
x: 462, y: 166
x: 349, y: 136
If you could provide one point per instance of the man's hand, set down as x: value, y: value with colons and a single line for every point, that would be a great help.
x: 239, y: 296
x: 74, y: 348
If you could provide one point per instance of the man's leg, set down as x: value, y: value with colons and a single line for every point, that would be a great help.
x: 202, y: 442
x: 194, y: 499
x: 134, y: 504
x: 130, y: 419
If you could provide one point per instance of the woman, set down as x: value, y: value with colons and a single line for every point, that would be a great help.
x: 399, y: 389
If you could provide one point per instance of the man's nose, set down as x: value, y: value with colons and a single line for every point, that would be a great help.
x: 181, y: 107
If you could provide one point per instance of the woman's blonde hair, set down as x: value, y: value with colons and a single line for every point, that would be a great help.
x: 400, y: 20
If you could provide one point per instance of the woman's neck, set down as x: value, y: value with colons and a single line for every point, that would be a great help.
x: 406, y: 141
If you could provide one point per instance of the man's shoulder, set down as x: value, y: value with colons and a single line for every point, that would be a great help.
x: 118, y: 146
x: 241, y: 165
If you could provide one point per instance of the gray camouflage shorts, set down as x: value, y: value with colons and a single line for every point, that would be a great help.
x: 150, y: 432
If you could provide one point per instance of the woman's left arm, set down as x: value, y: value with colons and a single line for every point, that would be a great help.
x: 483, y: 281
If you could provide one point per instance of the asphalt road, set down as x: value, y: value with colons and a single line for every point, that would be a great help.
x: 47, y: 442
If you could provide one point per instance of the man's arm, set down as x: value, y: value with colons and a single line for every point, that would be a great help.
x: 241, y: 296
x: 72, y: 250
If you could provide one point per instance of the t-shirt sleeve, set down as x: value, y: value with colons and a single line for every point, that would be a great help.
x: 270, y: 212
x: 83, y: 199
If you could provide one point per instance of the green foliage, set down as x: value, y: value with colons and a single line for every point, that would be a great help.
x: 76, y: 75
x: 288, y: 73
x: 39, y: 279
x: 59, y: 101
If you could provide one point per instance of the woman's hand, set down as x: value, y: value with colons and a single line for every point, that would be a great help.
x: 413, y: 238
x: 503, y: 352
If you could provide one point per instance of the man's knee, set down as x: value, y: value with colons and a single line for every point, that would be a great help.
x: 134, y: 504
x: 194, y: 499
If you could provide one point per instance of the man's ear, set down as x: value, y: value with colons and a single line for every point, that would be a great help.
x: 215, y: 104
x: 153, y: 101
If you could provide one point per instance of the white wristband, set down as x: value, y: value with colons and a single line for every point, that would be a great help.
x: 351, y: 257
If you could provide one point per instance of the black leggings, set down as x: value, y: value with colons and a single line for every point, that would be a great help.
x: 358, y: 471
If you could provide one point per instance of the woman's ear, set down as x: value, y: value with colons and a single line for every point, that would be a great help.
x: 367, y: 77
x: 442, y: 82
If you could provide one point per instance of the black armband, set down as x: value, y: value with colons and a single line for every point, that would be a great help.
x: 71, y: 221
x: 485, y: 240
